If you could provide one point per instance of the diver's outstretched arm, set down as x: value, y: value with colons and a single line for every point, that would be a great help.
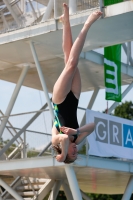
x: 83, y: 131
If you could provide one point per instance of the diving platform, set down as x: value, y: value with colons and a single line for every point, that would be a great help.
x: 31, y: 55
x: 114, y: 28
x: 94, y: 174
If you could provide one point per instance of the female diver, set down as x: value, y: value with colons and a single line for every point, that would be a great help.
x: 66, y: 133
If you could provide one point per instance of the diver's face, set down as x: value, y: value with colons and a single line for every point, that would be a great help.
x: 72, y: 151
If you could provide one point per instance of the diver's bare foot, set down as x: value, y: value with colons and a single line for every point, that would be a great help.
x: 65, y: 17
x: 93, y: 17
x: 68, y: 131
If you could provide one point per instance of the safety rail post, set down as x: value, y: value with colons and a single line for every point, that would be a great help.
x: 24, y: 146
x: 101, y: 4
x: 72, y: 6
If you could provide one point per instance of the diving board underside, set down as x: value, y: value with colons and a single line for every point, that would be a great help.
x: 15, y: 50
x: 97, y: 175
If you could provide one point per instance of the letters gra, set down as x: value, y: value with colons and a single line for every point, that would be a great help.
x: 112, y: 132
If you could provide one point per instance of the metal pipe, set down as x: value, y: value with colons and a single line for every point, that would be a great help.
x: 128, y: 190
x: 10, y: 190
x: 67, y: 191
x: 72, y: 6
x: 25, y: 146
x: 84, y: 195
x: 40, y: 73
x: 128, y: 52
x: 123, y: 95
x: 55, y: 9
x: 14, y: 151
x: 13, y: 99
x: 34, y: 13
x: 23, y: 6
x: 48, y: 10
x: 21, y: 131
x: 73, y: 182
x: 101, y: 3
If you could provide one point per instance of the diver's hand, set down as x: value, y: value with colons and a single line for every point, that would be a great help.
x: 68, y: 131
x: 60, y: 158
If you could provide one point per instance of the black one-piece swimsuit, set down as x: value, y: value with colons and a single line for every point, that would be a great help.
x: 66, y: 113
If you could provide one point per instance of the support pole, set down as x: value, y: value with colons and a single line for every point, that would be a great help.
x: 129, y: 189
x: 72, y: 6
x: 24, y: 150
x: 101, y: 3
x: 56, y: 14
x: 10, y: 190
x: 73, y: 182
x: 40, y: 73
x: 123, y: 95
x: 128, y: 52
x: 67, y: 191
x: 13, y: 99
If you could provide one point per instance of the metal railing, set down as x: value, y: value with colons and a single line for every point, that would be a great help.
x: 20, y: 14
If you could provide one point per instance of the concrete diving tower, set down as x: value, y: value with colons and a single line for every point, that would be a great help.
x: 35, y: 49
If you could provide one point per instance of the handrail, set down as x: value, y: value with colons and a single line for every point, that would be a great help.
x: 30, y: 131
x: 21, y: 131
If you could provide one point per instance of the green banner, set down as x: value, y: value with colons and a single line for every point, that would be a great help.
x: 110, y: 2
x: 112, y: 72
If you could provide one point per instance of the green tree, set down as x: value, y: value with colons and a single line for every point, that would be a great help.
x: 125, y: 110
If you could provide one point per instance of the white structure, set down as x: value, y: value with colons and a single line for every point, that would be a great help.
x: 30, y: 39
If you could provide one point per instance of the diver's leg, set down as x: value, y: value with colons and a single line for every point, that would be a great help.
x: 65, y: 82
